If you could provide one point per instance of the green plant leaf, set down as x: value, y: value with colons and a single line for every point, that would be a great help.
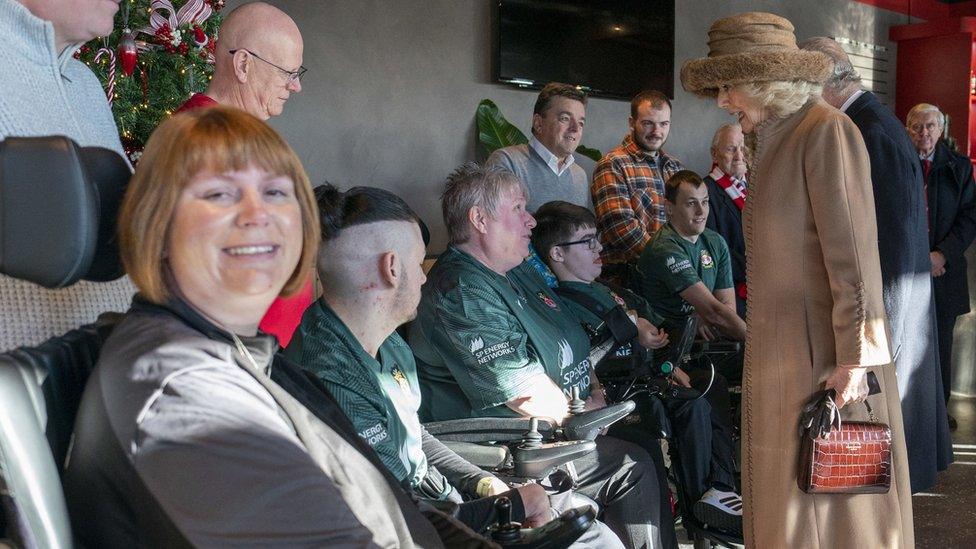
x: 494, y: 132
x: 593, y: 154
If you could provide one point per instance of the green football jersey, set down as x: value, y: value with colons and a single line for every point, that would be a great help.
x: 480, y: 339
x: 381, y: 396
x: 670, y: 264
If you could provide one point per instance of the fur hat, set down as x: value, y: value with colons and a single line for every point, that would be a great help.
x: 752, y: 47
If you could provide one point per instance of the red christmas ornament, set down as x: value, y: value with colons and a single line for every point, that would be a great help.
x: 199, y: 37
x: 164, y: 37
x: 128, y: 52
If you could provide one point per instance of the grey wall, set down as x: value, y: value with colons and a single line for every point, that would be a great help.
x: 392, y: 86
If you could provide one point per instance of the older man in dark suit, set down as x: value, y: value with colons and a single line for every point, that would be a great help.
x: 904, y: 249
x: 727, y: 197
x: 951, y: 201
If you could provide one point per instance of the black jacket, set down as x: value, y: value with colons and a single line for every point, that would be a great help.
x: 952, y: 223
x: 725, y: 218
x: 113, y: 505
x: 896, y: 178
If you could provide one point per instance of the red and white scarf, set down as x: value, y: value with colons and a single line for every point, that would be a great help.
x: 735, y: 188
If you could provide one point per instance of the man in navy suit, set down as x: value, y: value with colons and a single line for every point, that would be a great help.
x: 727, y: 197
x: 903, y: 243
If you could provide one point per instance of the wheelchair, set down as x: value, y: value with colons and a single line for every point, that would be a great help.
x: 642, y: 375
x: 523, y: 450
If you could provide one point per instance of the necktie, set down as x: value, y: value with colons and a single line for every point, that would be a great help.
x: 926, y: 168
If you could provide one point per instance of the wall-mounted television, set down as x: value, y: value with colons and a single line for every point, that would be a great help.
x: 612, y: 48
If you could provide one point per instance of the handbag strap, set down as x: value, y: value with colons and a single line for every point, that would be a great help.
x: 871, y: 416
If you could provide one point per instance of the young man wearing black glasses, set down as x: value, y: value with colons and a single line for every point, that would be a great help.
x: 565, y: 236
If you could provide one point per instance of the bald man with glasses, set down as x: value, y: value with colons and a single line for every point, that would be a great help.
x: 258, y: 62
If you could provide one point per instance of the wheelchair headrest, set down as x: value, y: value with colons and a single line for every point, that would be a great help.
x: 58, y: 208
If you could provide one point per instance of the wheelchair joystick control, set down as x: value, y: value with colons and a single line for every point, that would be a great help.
x: 532, y: 438
x: 576, y: 404
x: 505, y: 530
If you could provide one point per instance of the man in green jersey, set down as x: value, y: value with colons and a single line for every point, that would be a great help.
x: 686, y: 269
x: 566, y: 237
x: 492, y: 339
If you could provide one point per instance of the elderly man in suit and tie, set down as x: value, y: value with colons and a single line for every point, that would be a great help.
x: 951, y: 201
x: 727, y: 197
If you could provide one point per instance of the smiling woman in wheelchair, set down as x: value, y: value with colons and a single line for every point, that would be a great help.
x: 566, y: 238
x: 191, y: 432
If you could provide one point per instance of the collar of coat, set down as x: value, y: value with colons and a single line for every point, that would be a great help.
x: 262, y: 346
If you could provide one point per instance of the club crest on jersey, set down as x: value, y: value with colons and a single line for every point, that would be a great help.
x: 706, y: 260
x: 547, y: 300
x: 400, y: 378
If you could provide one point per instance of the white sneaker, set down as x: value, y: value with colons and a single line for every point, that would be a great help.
x: 720, y: 509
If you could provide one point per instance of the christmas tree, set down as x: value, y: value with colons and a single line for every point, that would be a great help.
x: 160, y: 53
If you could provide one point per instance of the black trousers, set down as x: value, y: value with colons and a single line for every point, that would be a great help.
x: 621, y: 477
x: 703, y: 440
x: 945, y: 325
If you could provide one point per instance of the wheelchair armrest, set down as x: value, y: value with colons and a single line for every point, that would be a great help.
x: 539, y: 462
x: 587, y: 425
x: 489, y: 457
x: 487, y: 429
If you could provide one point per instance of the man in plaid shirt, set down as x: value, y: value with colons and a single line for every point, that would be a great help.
x: 628, y: 185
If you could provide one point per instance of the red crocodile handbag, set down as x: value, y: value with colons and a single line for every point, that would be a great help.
x: 853, y: 458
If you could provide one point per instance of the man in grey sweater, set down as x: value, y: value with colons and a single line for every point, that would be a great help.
x: 546, y: 164
x: 45, y: 91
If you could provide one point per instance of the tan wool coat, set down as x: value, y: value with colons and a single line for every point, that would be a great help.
x: 814, y: 302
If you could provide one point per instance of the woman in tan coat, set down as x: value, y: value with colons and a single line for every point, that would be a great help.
x: 815, y: 318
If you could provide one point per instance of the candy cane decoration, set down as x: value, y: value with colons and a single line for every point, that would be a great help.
x: 110, y: 93
x: 194, y: 11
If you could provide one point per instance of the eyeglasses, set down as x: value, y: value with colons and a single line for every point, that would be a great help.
x: 590, y: 241
x: 293, y: 76
x: 932, y: 127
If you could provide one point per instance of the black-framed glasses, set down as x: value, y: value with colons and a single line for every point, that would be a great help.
x: 590, y: 241
x: 293, y: 76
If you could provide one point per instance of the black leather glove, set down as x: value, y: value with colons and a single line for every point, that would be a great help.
x: 820, y: 415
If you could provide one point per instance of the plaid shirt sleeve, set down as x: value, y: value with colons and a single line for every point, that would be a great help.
x: 616, y: 220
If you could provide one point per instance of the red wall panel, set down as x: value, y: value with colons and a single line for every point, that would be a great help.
x: 948, y: 88
x: 925, y: 9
